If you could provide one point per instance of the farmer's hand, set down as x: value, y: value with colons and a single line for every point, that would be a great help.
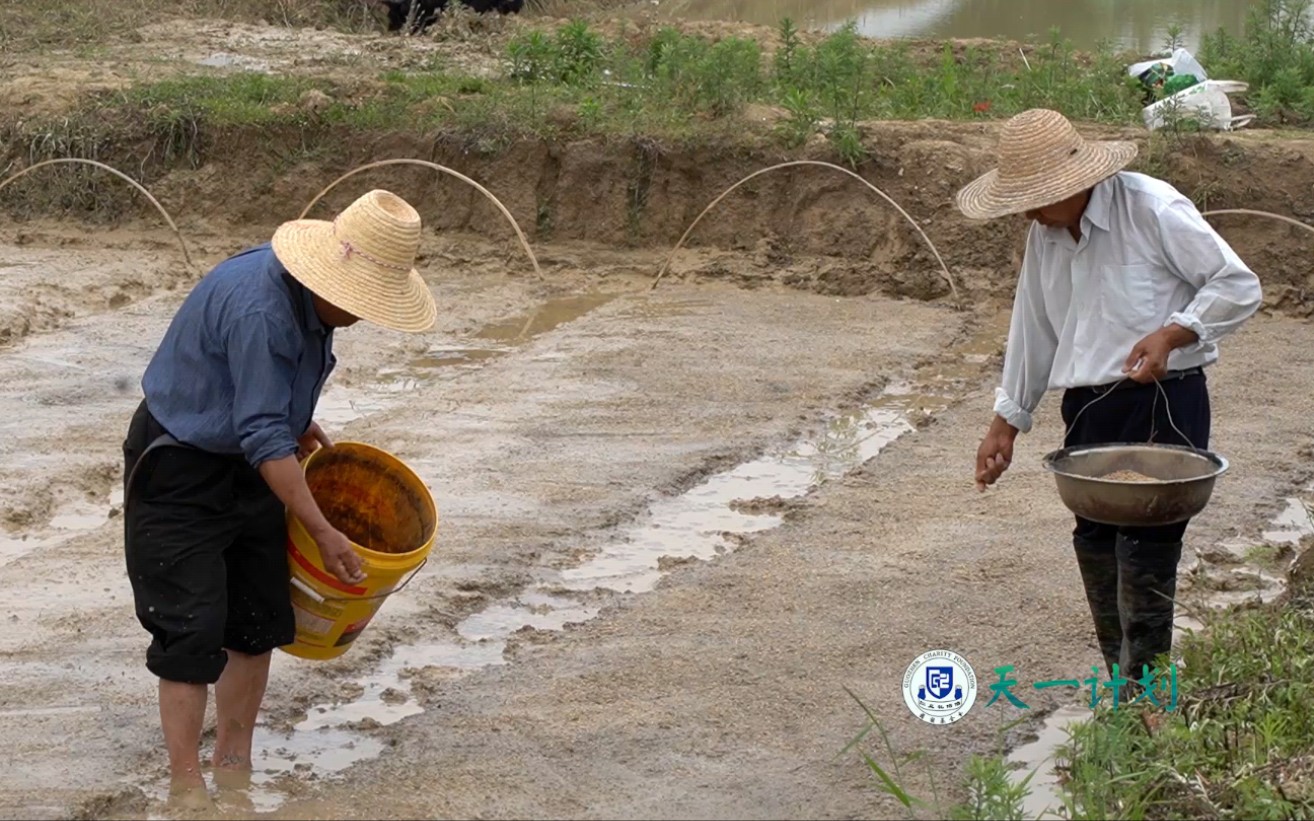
x: 1148, y: 360
x: 338, y: 556
x: 311, y: 441
x: 995, y: 453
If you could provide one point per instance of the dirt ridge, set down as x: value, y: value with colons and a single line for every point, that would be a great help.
x: 818, y: 230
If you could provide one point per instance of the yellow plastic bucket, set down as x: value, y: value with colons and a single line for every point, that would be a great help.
x: 389, y: 516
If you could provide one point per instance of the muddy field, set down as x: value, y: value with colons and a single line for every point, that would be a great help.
x: 675, y: 524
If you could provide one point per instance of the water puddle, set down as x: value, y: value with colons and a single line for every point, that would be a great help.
x: 339, y: 405
x: 80, y: 520
x: 16, y: 547
x: 1035, y: 756
x: 533, y: 609
x: 1291, y: 525
x: 80, y: 517
x: 551, y: 315
x: 441, y: 357
x: 700, y: 524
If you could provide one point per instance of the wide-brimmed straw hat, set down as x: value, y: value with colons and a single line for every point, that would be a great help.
x: 363, y: 261
x: 1042, y: 161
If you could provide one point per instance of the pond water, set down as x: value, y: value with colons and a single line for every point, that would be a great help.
x: 1134, y: 24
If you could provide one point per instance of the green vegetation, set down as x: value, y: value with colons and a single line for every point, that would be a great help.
x: 990, y: 793
x: 673, y: 83
x: 1275, y: 56
x: 674, y: 86
x: 669, y: 86
x: 1240, y: 744
x: 1237, y: 743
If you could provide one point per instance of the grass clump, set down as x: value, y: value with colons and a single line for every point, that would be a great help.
x: 1236, y: 741
x: 1275, y: 55
x: 1239, y: 745
x: 673, y: 82
x: 990, y: 792
x: 666, y: 85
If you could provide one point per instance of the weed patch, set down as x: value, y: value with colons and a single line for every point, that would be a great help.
x: 1239, y: 745
x: 666, y: 86
x: 1275, y: 55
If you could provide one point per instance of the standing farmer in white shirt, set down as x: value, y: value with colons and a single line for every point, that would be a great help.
x: 1123, y: 283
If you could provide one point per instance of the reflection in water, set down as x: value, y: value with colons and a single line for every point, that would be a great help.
x: 1136, y: 24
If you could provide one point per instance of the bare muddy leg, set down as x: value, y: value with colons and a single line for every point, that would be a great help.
x: 182, y: 711
x: 238, y: 695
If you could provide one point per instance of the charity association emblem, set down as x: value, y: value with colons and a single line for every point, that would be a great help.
x: 939, y: 687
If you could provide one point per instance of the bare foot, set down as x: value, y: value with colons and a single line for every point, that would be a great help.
x: 226, y: 778
x: 234, y: 789
x: 188, y: 798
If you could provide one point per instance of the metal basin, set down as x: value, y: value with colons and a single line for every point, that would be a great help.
x: 1184, y: 481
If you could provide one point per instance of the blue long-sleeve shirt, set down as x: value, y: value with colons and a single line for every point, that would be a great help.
x: 241, y: 367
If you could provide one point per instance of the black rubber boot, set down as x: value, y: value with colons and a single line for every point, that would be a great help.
x: 1098, y: 562
x: 1147, y: 584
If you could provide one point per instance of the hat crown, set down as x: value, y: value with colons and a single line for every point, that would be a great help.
x: 383, y: 229
x: 1036, y: 143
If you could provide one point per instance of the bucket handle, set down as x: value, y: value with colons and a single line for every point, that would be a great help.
x: 320, y: 599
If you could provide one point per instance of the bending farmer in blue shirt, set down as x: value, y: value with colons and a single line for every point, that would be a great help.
x: 1123, y: 285
x: 227, y: 414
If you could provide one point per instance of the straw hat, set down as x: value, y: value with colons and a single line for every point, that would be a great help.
x: 1042, y: 161
x: 363, y: 261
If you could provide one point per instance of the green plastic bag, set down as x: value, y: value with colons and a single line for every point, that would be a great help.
x: 1178, y: 82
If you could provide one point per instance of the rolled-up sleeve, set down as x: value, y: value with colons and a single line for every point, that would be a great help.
x: 1228, y: 292
x: 262, y: 358
x: 1032, y: 344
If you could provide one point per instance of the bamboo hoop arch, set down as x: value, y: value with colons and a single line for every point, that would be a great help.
x: 1294, y: 222
x: 61, y: 160
x: 953, y: 287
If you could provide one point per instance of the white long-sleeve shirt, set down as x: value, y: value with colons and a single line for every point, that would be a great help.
x: 1146, y: 259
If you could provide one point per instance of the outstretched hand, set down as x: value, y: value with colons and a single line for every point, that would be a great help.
x: 995, y: 453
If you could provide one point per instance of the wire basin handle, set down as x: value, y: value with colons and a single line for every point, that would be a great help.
x: 1153, y: 410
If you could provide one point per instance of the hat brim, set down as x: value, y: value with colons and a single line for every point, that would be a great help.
x: 309, y: 252
x: 991, y: 196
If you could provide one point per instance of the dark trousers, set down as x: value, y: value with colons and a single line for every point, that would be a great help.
x: 1130, y: 573
x: 205, y: 542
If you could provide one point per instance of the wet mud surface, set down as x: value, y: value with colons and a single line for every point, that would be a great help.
x: 674, y: 526
x: 593, y: 403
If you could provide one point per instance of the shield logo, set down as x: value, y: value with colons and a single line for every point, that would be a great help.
x: 939, y: 681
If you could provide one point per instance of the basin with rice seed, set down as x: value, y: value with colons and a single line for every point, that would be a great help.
x: 1135, y: 485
